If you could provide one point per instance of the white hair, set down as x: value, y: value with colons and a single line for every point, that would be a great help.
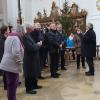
x: 90, y: 25
x: 28, y: 26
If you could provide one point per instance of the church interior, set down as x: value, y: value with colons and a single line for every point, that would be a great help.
x: 73, y: 83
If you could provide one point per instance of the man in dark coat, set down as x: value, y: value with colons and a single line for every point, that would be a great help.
x: 89, y: 47
x: 37, y: 36
x: 31, y: 62
x: 54, y: 45
x: 61, y: 50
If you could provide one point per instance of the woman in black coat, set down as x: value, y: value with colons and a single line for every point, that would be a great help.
x: 31, y: 63
x: 89, y: 47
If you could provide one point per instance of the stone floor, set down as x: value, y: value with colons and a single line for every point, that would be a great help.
x: 72, y: 85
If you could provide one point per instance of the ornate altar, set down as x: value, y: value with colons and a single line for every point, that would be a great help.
x: 79, y: 18
x: 68, y: 15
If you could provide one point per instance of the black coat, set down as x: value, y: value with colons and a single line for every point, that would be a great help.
x: 37, y: 36
x: 31, y: 63
x: 2, y: 41
x: 53, y: 41
x: 62, y: 39
x: 89, y: 44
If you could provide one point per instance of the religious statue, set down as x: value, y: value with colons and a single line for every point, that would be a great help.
x: 39, y: 15
x: 74, y: 9
x: 83, y: 12
x: 45, y: 14
x: 54, y: 10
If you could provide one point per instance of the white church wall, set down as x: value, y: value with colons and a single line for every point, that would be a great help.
x: 39, y: 5
x: 1, y: 13
x: 96, y: 21
x: 12, y: 12
x: 27, y: 15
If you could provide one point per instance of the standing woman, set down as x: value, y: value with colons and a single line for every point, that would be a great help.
x: 78, y: 46
x: 11, y: 63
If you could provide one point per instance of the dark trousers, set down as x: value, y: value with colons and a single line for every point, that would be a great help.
x: 4, y: 81
x: 1, y: 73
x: 79, y: 57
x: 73, y: 54
x: 62, y: 56
x: 41, y: 62
x: 12, y: 83
x: 43, y: 56
x: 54, y: 62
x: 90, y: 64
x: 30, y: 83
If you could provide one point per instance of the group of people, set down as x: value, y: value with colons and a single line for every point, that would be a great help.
x: 29, y: 50
x: 84, y: 45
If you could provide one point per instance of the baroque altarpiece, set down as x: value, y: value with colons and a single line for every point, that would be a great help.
x: 70, y: 16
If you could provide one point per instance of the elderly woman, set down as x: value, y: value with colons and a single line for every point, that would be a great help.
x: 11, y: 63
x: 78, y: 45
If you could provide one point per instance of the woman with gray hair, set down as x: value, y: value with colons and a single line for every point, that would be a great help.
x: 89, y: 48
x: 11, y: 63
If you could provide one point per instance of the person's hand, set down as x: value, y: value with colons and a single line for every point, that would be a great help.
x: 39, y: 43
x: 60, y: 45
